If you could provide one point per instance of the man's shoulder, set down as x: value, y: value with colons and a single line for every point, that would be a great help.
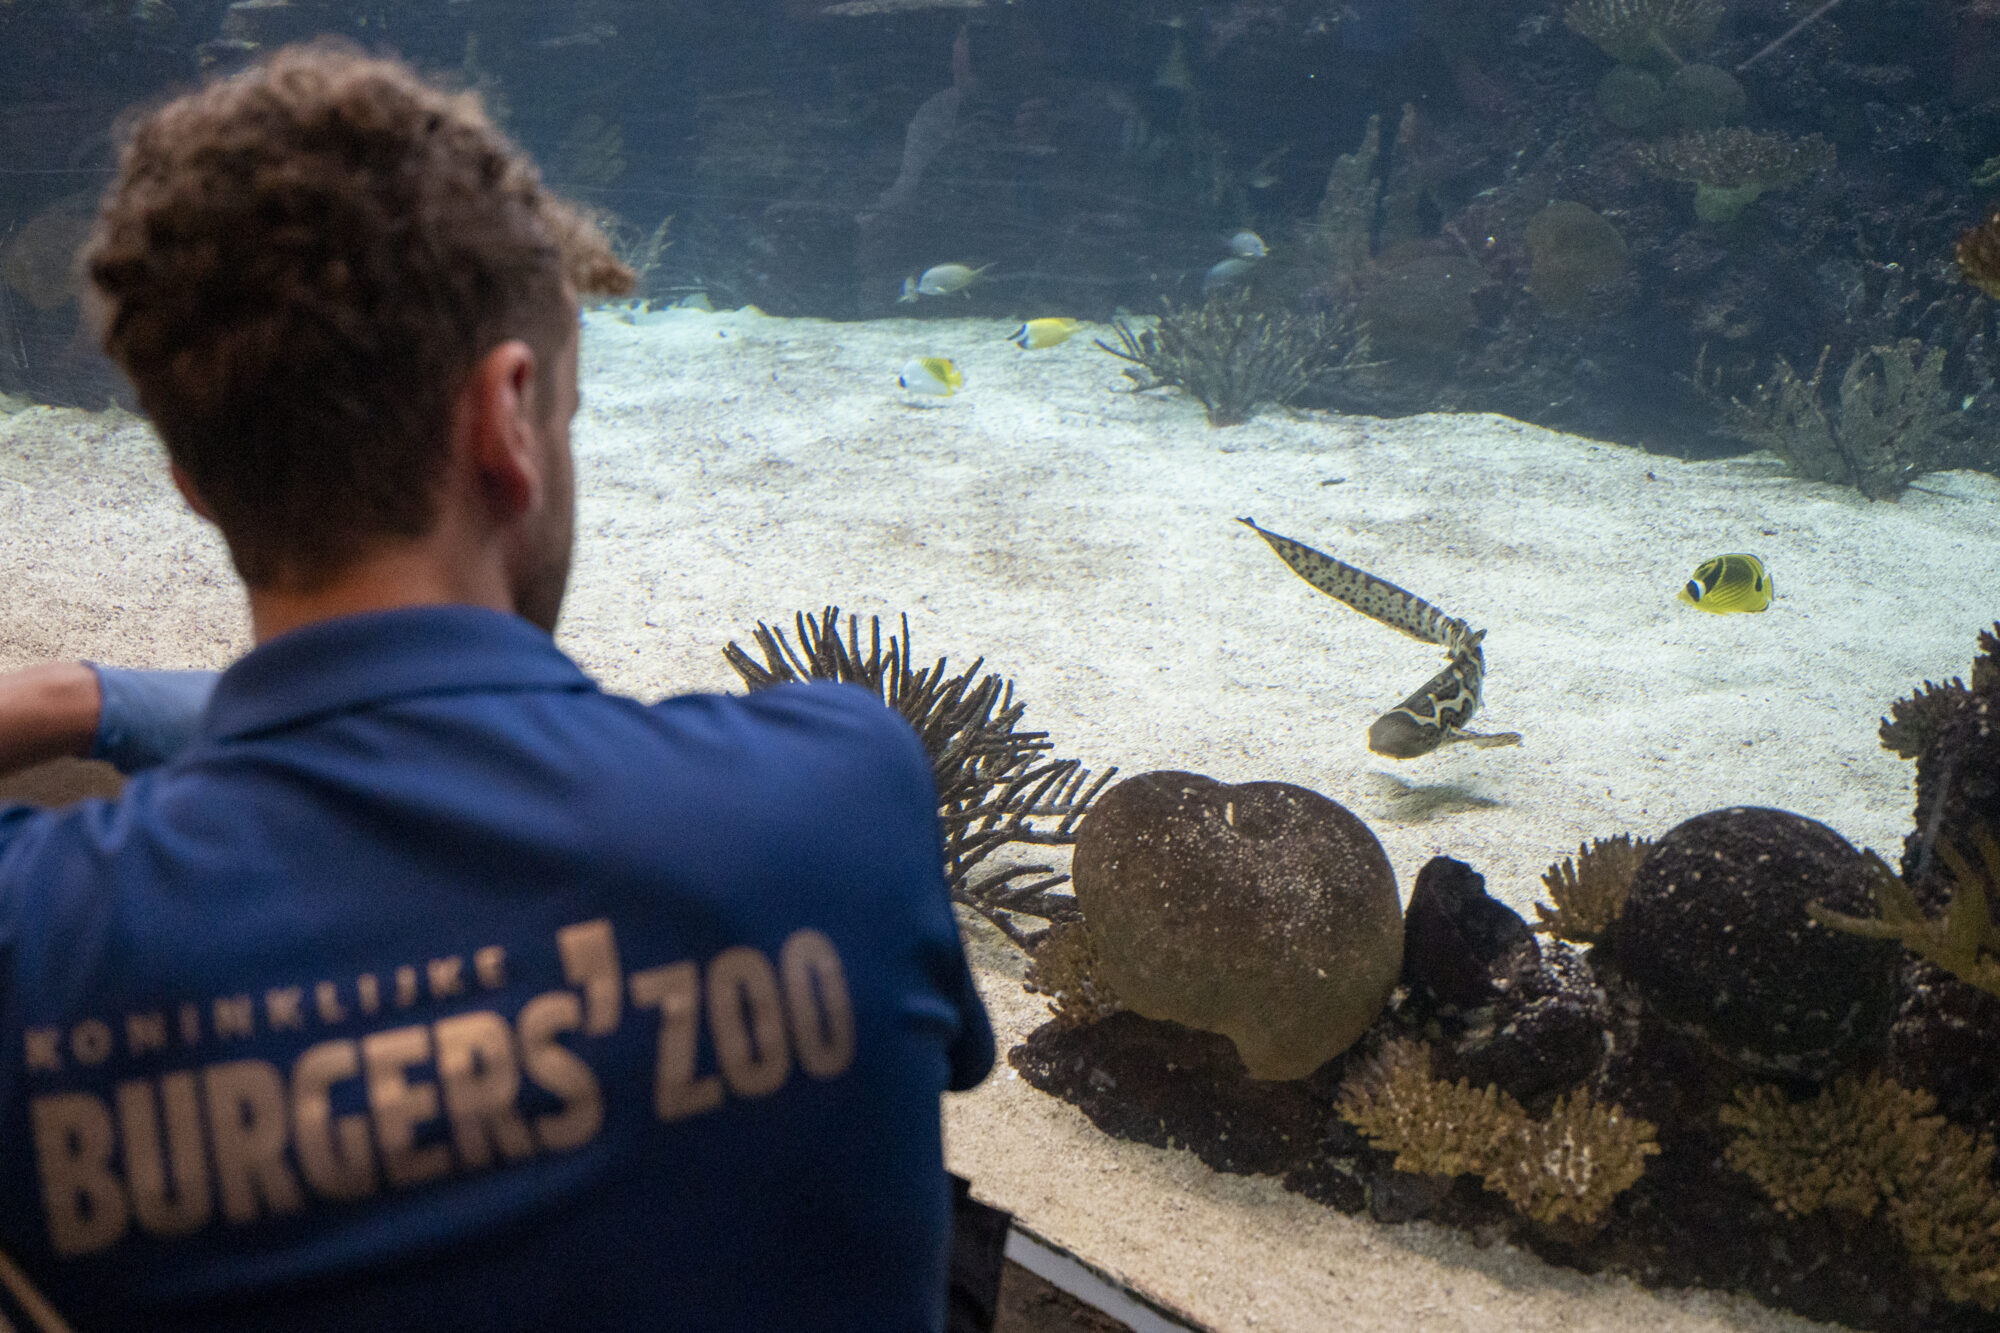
x: 841, y: 724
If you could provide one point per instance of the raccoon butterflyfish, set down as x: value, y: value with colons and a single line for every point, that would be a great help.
x: 934, y: 375
x: 1729, y: 583
x: 1039, y: 333
x: 944, y: 279
x: 1437, y: 713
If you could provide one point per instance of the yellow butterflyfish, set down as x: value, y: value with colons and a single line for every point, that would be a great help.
x: 1040, y: 333
x: 1729, y: 583
x: 934, y: 375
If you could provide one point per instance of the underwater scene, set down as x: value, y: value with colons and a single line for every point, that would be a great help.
x: 1446, y: 555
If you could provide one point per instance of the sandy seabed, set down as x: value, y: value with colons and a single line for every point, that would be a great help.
x: 734, y: 468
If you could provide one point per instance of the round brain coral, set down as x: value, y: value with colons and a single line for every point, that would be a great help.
x: 1264, y: 912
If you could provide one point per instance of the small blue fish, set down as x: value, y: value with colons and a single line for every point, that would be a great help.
x: 1229, y: 273
x: 944, y: 279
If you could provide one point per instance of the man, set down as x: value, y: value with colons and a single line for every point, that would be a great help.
x: 424, y: 983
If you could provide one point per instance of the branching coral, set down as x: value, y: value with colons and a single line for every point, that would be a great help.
x: 1913, y: 723
x: 1978, y: 253
x: 1729, y: 168
x: 1064, y: 968
x: 1236, y: 356
x: 1869, y: 1143
x: 1566, y: 1167
x: 1646, y: 32
x: 1590, y: 891
x: 1964, y: 941
x: 1884, y: 427
x: 996, y: 785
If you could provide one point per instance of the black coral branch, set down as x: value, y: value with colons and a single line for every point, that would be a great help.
x: 996, y: 783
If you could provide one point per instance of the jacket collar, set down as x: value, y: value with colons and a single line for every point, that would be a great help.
x: 352, y: 662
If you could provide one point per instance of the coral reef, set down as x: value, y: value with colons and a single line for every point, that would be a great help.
x: 1567, y: 1166
x: 1705, y: 97
x: 1731, y: 168
x: 1064, y: 968
x: 1884, y: 427
x: 1646, y: 32
x: 996, y: 784
x: 1963, y: 941
x: 1234, y: 355
x: 1716, y: 937
x: 1264, y: 911
x: 1978, y: 254
x: 1913, y: 723
x: 1574, y: 252
x: 1866, y: 1143
x: 1590, y: 891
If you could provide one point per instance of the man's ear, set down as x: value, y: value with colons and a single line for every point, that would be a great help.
x: 494, y: 427
x: 185, y: 485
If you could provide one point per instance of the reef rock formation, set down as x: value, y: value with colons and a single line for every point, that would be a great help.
x: 1264, y: 912
x: 1717, y: 937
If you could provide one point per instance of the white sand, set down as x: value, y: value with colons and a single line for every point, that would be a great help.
x: 735, y: 468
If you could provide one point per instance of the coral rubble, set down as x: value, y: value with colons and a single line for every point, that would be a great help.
x: 996, y: 784
x: 1264, y: 911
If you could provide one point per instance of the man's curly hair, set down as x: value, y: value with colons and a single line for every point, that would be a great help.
x: 298, y: 267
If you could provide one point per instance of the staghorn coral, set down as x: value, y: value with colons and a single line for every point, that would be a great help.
x: 994, y: 782
x: 1568, y: 1166
x: 1866, y: 1143
x: 1589, y: 892
x: 1846, y: 1148
x: 1646, y: 32
x: 1883, y: 428
x: 1978, y: 252
x: 1064, y: 968
x: 1234, y: 356
x: 1964, y: 941
x: 1731, y: 167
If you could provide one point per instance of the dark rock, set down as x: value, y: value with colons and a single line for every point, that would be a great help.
x: 1942, y: 1040
x: 1264, y: 912
x: 1715, y: 937
x: 1545, y: 1034
x: 1455, y: 934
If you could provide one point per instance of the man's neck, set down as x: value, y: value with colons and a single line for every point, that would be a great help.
x: 418, y: 574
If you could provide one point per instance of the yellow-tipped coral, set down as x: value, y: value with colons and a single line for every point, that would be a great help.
x: 1868, y: 1143
x: 1569, y: 1166
x: 1064, y: 968
x: 1590, y: 891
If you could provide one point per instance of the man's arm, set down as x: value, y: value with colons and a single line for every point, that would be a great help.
x: 46, y: 712
x: 131, y: 719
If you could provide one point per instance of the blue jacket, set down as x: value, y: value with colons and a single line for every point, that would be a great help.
x: 433, y: 983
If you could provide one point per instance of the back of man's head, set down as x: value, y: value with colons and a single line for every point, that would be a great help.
x: 298, y: 267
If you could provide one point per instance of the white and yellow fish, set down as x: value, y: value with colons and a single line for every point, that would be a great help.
x: 935, y: 376
x: 1247, y: 244
x: 909, y: 289
x: 1229, y: 273
x: 944, y: 279
x: 1040, y: 333
x: 1729, y: 583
